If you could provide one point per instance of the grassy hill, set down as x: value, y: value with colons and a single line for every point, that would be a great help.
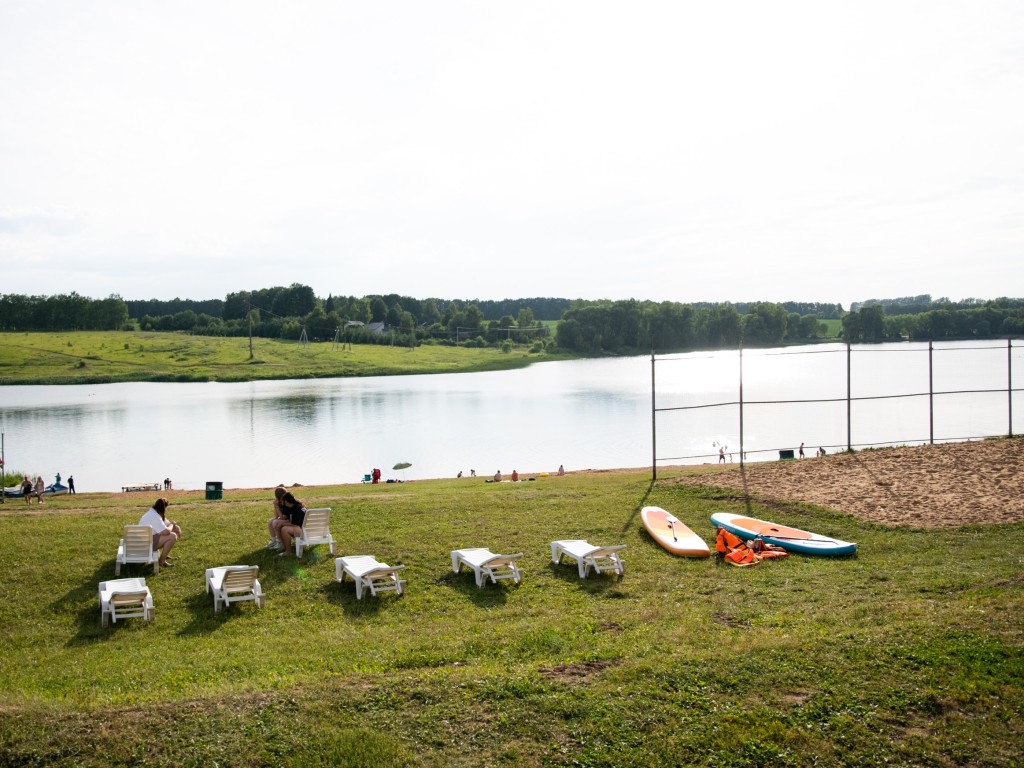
x: 908, y: 653
x: 89, y: 357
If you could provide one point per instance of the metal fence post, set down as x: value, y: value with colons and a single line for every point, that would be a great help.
x: 741, y: 404
x: 1009, y: 384
x: 654, y: 425
x: 849, y: 395
x: 931, y: 399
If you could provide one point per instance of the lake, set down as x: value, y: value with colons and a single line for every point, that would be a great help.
x: 585, y: 414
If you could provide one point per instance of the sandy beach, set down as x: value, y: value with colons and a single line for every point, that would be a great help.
x: 928, y: 486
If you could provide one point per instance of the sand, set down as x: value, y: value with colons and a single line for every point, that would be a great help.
x: 929, y: 486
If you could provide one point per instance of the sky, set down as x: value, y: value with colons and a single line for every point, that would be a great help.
x: 667, y: 151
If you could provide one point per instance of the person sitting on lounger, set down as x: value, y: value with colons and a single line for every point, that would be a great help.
x: 279, y: 519
x: 295, y: 511
x: 165, y: 532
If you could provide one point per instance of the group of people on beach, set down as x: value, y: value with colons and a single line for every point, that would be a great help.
x: 800, y: 453
x: 30, y: 489
x: 284, y: 526
x: 498, y: 477
x: 38, y: 488
x: 817, y: 454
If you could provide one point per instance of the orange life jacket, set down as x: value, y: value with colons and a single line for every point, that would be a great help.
x: 766, y: 551
x: 733, y: 549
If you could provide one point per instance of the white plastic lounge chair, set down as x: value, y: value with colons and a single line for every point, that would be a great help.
x: 588, y: 556
x: 487, y: 565
x: 316, y: 529
x: 234, y: 584
x: 368, y: 573
x: 125, y: 599
x: 137, y: 547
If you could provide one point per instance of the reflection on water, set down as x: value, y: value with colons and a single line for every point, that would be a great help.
x: 583, y: 414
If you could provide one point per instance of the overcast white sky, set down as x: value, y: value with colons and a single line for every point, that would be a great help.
x: 684, y: 151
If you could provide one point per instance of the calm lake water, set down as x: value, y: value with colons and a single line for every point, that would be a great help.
x: 588, y: 414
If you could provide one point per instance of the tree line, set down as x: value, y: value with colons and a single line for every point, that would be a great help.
x: 66, y: 312
x: 587, y: 327
x: 623, y: 326
x: 632, y: 326
x: 969, y: 319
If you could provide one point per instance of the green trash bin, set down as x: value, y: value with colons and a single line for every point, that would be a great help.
x: 214, y: 490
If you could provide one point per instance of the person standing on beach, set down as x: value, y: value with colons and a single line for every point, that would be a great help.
x: 801, y: 450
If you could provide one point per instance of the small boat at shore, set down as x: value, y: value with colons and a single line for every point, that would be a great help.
x: 53, y: 489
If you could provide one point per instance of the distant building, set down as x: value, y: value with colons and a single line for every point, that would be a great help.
x: 375, y: 328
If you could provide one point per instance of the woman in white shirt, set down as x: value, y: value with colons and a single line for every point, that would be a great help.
x: 165, y: 532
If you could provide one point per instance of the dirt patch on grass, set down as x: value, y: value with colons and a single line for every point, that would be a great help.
x: 928, y: 486
x: 576, y: 672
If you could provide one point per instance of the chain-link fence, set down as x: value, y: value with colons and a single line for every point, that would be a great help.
x: 757, y: 404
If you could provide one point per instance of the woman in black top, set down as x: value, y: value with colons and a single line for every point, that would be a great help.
x: 295, y: 511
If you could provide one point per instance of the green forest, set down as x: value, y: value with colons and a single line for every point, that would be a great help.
x: 295, y: 312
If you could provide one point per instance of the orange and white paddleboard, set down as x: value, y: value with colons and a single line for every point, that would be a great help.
x: 672, y: 534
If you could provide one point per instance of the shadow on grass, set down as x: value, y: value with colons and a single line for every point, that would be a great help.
x: 86, y: 594
x: 746, y: 490
x: 344, y: 594
x: 631, y: 520
x: 274, y: 571
x: 646, y: 537
x: 202, y: 619
x: 595, y: 583
x: 487, y: 596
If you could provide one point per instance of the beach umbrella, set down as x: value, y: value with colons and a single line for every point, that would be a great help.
x: 402, y: 465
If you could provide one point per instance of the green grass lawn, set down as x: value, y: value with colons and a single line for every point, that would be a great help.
x: 908, y: 653
x: 835, y: 328
x: 86, y: 357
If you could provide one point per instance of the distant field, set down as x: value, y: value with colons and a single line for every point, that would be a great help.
x: 93, y: 357
x: 98, y: 357
x: 835, y: 327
